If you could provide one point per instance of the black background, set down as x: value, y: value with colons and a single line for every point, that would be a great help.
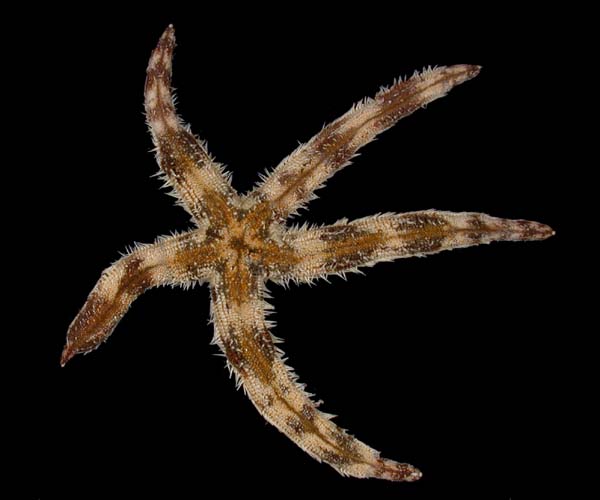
x: 436, y: 361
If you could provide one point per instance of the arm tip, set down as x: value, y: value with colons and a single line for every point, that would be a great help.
x: 66, y: 355
x: 168, y: 37
x: 464, y: 72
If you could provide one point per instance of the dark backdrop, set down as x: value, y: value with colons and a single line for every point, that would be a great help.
x: 435, y: 361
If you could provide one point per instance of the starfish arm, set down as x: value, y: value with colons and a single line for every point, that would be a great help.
x: 182, y: 259
x: 200, y: 183
x: 295, y: 179
x: 242, y: 332
x: 344, y: 246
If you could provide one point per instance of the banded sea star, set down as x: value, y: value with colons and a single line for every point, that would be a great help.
x: 241, y: 242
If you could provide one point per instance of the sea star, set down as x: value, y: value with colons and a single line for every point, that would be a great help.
x: 241, y: 242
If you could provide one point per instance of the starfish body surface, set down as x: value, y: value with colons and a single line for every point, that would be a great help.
x: 241, y: 242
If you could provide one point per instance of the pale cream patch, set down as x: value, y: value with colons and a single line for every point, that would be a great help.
x: 437, y: 83
x: 431, y: 91
x: 172, y: 121
x: 158, y: 126
x: 160, y: 274
x: 152, y: 95
x: 167, y: 63
x: 154, y: 257
x: 108, y: 285
x: 164, y: 91
x: 306, y: 241
x: 155, y: 58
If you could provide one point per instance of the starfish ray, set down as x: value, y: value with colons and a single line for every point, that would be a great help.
x: 240, y: 242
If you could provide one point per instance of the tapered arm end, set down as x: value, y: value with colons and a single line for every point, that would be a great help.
x: 394, y: 471
x: 519, y: 230
x: 67, y: 353
x: 168, y: 261
x: 464, y: 72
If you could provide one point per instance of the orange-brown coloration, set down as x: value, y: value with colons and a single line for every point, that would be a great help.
x: 241, y: 242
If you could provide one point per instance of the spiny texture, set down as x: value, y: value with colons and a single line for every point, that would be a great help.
x: 241, y: 242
